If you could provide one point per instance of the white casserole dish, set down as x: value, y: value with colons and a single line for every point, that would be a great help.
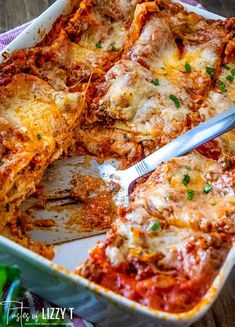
x: 64, y: 288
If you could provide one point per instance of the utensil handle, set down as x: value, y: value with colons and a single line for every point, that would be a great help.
x: 197, y: 136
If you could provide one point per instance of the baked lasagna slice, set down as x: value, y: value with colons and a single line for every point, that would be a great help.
x: 36, y: 127
x: 166, y: 247
x: 163, y: 267
x: 143, y: 109
x: 191, y: 191
x: 171, y: 61
x: 93, y: 38
x: 63, y: 64
x: 186, y: 47
x: 81, y: 47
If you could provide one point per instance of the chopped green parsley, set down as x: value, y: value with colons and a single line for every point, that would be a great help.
x: 207, y: 188
x: 98, y: 45
x: 210, y: 72
x: 226, y: 67
x: 222, y: 86
x: 191, y: 194
x: 155, y: 81
x: 188, y: 67
x: 186, y: 179
x: 233, y: 71
x: 156, y: 225
x: 175, y: 100
x: 230, y: 78
x: 114, y: 48
x: 39, y: 137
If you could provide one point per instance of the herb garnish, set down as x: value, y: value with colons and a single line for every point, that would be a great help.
x: 191, y: 194
x: 186, y: 179
x: 226, y: 67
x: 98, y: 45
x: 156, y: 225
x: 230, y: 78
x: 155, y: 81
x: 175, y: 100
x: 210, y: 71
x: 222, y: 86
x: 207, y: 188
x: 187, y: 67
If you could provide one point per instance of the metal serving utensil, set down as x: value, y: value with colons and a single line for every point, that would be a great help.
x: 197, y: 136
x: 58, y: 178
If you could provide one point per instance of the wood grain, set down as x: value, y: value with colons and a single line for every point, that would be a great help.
x: 222, y: 313
x: 16, y: 12
x: 224, y: 8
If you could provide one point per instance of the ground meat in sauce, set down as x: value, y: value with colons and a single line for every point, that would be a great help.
x: 15, y: 231
x: 96, y: 197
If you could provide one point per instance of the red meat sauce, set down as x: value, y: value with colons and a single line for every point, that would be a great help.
x: 169, y: 292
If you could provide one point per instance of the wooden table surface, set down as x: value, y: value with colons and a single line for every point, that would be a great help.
x: 224, y: 8
x: 16, y: 12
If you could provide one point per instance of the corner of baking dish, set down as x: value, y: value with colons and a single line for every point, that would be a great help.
x: 38, y: 28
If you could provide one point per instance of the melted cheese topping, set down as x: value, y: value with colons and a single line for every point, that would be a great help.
x: 170, y: 245
x: 200, y: 56
x: 165, y: 194
x: 108, y: 34
x: 164, y: 232
x: 218, y: 101
x: 116, y: 9
x: 21, y: 108
x: 156, y: 47
x: 139, y: 105
x: 33, y: 134
x: 230, y: 85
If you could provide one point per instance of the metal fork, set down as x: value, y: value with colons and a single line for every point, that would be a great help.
x: 57, y: 179
x: 197, y: 136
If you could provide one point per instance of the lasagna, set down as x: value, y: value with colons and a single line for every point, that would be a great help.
x: 36, y: 127
x: 121, y: 79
